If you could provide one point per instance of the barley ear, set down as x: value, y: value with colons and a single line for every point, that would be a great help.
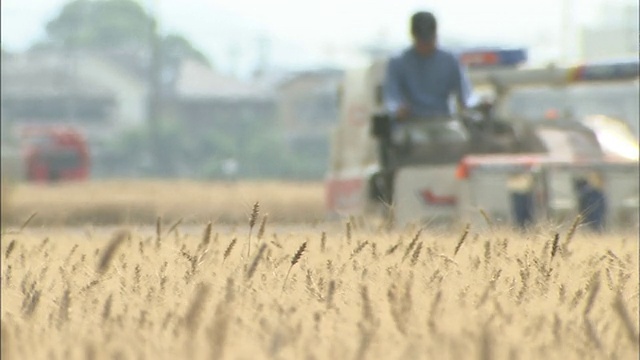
x: 571, y: 233
x: 294, y: 260
x: 227, y: 252
x: 263, y: 226
x: 10, y: 248
x: 555, y: 247
x: 461, y: 241
x: 252, y: 222
x: 206, y: 237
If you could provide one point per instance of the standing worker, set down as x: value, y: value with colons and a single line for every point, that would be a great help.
x: 592, y: 203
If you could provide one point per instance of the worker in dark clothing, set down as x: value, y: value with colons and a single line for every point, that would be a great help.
x: 520, y: 187
x: 592, y: 204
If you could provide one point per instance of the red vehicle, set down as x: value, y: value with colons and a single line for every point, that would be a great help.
x: 55, y: 153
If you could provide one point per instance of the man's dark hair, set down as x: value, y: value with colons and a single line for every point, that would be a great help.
x: 423, y: 25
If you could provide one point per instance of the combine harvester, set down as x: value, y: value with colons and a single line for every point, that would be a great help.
x: 47, y: 154
x: 485, y: 158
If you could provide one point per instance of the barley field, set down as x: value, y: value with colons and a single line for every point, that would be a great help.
x: 345, y: 291
x: 134, y: 202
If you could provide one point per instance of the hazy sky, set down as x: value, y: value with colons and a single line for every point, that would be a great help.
x: 302, y: 32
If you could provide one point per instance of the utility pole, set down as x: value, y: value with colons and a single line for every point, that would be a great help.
x: 264, y: 49
x: 566, y: 31
x: 153, y: 92
x: 234, y: 54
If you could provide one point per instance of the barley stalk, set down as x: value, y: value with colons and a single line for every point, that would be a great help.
x: 118, y: 238
x: 26, y: 222
x: 367, y: 309
x: 323, y: 241
x: 592, y: 334
x: 158, y: 231
x: 486, y: 346
x: 229, y: 291
x: 621, y: 310
x: 593, y: 291
x: 330, y: 292
x: 196, y: 307
x: 486, y: 218
x: 219, y: 331
x: 175, y: 226
x: 63, y: 314
x: 256, y: 261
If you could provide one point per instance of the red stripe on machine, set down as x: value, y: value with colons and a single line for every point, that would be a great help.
x: 432, y: 199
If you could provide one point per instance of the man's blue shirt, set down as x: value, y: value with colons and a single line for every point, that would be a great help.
x: 425, y: 83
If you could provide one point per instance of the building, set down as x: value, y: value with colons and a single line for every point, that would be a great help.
x: 226, y: 117
x: 307, y: 111
x: 277, y: 129
x: 206, y: 99
x: 82, y: 90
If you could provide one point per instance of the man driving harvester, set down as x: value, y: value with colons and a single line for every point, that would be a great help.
x: 418, y: 126
x: 420, y: 81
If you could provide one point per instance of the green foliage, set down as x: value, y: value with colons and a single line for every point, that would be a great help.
x: 176, y: 47
x: 103, y: 23
x: 114, y: 24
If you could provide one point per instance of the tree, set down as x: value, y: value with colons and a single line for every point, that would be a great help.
x: 176, y: 47
x: 99, y: 24
x: 114, y: 24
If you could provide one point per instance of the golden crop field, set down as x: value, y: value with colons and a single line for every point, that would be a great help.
x: 116, y: 202
x: 324, y: 292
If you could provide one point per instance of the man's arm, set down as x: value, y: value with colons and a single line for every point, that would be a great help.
x: 464, y: 90
x: 394, y: 101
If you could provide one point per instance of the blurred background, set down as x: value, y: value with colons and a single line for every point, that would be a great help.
x: 247, y: 89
